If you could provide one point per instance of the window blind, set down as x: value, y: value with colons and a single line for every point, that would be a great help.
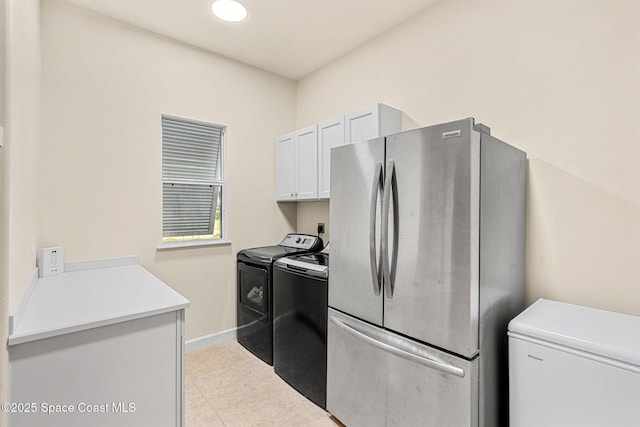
x: 191, y: 175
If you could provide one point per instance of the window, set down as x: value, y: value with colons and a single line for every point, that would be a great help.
x: 192, y: 180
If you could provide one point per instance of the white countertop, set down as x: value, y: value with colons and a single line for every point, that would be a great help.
x: 80, y: 300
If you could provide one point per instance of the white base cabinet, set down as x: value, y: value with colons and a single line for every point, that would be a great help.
x: 125, y: 374
x: 102, y: 346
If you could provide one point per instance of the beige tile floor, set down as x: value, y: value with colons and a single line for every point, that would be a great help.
x: 226, y: 386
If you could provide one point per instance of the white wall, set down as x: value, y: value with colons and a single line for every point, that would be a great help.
x: 310, y: 214
x: 19, y: 116
x: 23, y: 139
x: 104, y: 88
x: 551, y: 78
x: 4, y: 220
x: 559, y: 80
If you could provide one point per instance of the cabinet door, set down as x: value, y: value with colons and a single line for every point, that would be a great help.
x: 362, y: 125
x: 307, y: 163
x: 372, y: 122
x: 330, y: 135
x: 108, y: 368
x: 285, y: 167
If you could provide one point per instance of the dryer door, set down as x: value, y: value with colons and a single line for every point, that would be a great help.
x: 253, y: 286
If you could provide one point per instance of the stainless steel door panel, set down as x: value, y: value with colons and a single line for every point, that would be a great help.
x: 420, y: 396
x: 356, y: 379
x: 356, y: 173
x: 376, y: 377
x: 434, y: 253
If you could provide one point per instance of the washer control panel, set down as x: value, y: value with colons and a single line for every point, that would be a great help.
x: 302, y: 241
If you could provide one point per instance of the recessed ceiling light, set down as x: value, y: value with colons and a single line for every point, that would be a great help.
x: 229, y: 10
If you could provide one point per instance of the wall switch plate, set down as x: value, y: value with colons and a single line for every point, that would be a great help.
x: 51, y: 261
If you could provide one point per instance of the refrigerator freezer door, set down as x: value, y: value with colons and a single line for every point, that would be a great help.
x: 356, y: 378
x: 356, y: 182
x: 434, y: 258
x: 377, y: 378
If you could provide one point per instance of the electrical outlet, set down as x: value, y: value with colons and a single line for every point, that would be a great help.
x: 321, y: 228
x: 51, y: 262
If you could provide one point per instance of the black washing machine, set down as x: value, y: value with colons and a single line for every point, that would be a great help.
x: 255, y: 291
x: 300, y: 323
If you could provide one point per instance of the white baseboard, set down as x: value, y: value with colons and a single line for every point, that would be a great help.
x: 209, y: 340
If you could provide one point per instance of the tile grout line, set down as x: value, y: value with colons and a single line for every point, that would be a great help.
x: 297, y: 403
x: 211, y: 407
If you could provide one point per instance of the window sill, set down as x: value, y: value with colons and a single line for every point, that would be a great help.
x: 192, y: 244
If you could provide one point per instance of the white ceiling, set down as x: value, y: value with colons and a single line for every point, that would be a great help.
x: 291, y: 38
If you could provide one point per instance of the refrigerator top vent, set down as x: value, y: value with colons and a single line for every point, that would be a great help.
x: 591, y: 330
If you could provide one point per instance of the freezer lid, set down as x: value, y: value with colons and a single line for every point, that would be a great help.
x: 599, y: 332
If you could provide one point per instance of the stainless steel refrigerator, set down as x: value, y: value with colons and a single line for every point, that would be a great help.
x: 427, y: 269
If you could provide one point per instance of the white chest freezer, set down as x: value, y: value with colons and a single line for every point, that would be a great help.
x: 573, y: 366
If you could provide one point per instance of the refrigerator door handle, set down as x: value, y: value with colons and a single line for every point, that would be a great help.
x: 407, y: 355
x: 375, y: 190
x: 386, y: 201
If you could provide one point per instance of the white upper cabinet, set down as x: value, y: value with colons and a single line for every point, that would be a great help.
x: 330, y: 135
x: 285, y: 167
x: 297, y: 165
x: 372, y: 122
x: 307, y: 163
x: 303, y: 157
